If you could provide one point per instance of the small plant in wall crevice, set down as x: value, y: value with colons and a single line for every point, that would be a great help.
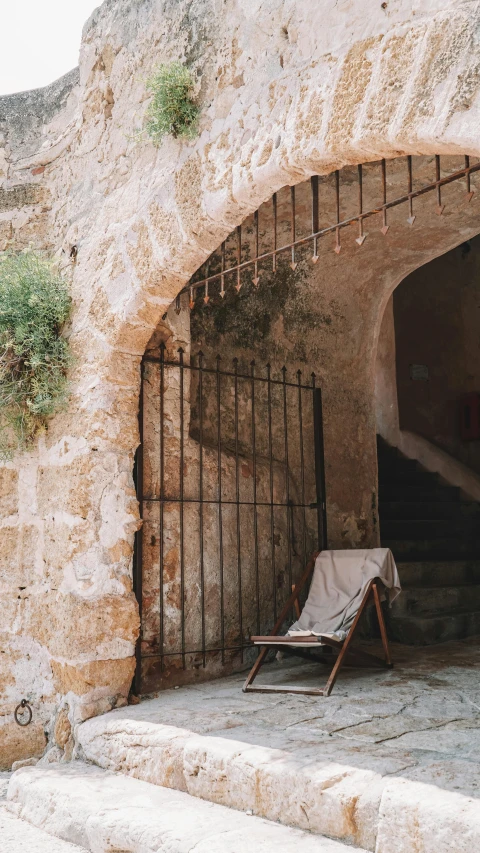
x: 34, y: 356
x: 172, y: 108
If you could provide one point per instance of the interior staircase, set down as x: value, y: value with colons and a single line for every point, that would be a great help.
x: 434, y: 535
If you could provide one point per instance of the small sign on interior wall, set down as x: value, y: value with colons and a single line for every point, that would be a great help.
x: 419, y: 372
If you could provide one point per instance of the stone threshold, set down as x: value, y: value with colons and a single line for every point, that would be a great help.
x: 104, y: 812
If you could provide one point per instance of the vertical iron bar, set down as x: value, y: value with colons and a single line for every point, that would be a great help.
x: 162, y: 497
x: 315, y: 218
x: 255, y: 519
x: 181, y: 508
x: 440, y: 206
x: 257, y: 246
x: 287, y: 478
x: 237, y: 498
x: 361, y: 236
x: 275, y: 223
x: 469, y: 179
x: 411, y: 217
x: 138, y: 556
x: 206, y: 297
x: 337, y: 209
x: 384, y: 196
x: 222, y: 277
x: 302, y: 464
x: 202, y: 563
x: 319, y: 466
x: 272, y: 514
x: 293, y: 263
x: 220, y: 514
x: 239, y: 257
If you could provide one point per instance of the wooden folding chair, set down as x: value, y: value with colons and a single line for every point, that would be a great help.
x: 344, y: 647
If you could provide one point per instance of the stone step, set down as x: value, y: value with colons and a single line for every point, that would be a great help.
x: 409, y: 477
x: 18, y: 836
x: 105, y: 812
x: 437, y: 600
x: 366, y: 804
x: 429, y: 630
x: 412, y: 528
x: 445, y: 548
x: 439, y: 573
x: 408, y: 509
x: 441, y: 494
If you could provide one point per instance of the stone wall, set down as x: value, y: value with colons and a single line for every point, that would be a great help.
x: 287, y: 89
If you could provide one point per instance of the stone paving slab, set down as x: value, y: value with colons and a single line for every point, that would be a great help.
x: 325, y: 764
x: 106, y: 812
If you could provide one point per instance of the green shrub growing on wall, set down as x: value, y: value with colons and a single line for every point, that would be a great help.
x: 34, y: 357
x: 172, y: 109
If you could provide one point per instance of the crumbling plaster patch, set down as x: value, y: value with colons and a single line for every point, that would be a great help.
x: 280, y: 83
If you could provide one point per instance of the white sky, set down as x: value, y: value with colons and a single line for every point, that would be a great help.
x: 39, y: 40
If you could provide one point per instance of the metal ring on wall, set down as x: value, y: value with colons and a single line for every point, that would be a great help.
x: 23, y: 714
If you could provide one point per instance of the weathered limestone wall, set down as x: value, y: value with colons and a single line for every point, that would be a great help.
x: 287, y: 89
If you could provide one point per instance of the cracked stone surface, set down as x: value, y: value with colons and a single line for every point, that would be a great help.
x: 405, y: 736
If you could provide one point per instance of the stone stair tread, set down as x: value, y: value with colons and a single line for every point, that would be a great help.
x: 413, y: 510
x: 429, y: 630
x: 18, y: 836
x: 436, y: 600
x: 101, y: 811
x: 438, y: 573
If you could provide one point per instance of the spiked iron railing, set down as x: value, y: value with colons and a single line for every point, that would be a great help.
x: 204, y: 278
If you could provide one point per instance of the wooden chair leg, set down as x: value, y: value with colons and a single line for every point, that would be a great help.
x: 341, y: 657
x: 381, y: 622
x: 296, y: 604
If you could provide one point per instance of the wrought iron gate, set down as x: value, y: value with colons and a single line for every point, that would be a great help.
x: 230, y: 481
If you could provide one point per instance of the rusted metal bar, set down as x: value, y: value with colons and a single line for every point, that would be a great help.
x: 470, y: 192
x: 272, y: 513
x: 275, y: 227
x: 293, y: 263
x: 254, y: 473
x: 384, y: 197
x: 162, y: 495
x: 361, y: 236
x: 337, y: 212
x: 319, y: 466
x: 411, y: 217
x: 239, y: 258
x: 206, y: 297
x: 237, y: 495
x: 138, y: 553
x: 440, y: 206
x: 287, y: 476
x: 302, y: 466
x: 222, y: 274
x: 220, y: 512
x: 182, y: 504
x: 315, y: 216
x: 256, y: 278
x: 201, y: 520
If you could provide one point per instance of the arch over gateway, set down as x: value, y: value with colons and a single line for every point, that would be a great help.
x: 340, y: 87
x: 281, y: 291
